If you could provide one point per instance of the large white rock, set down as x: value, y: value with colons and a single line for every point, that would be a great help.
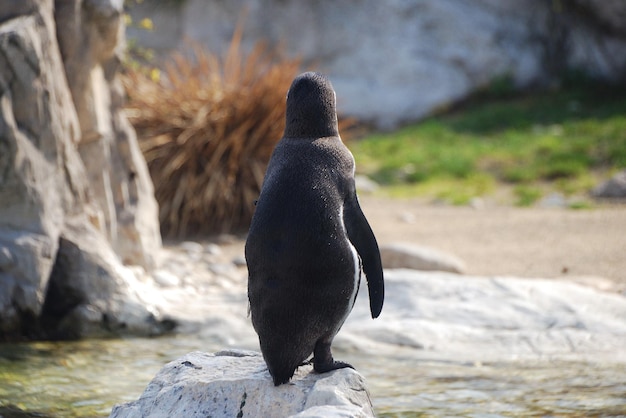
x: 478, y: 318
x: 237, y: 384
x: 435, y: 314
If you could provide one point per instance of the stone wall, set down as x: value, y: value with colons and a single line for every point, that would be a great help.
x: 75, y: 195
x: 397, y: 61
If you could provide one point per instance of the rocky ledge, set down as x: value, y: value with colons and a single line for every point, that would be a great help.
x: 236, y: 383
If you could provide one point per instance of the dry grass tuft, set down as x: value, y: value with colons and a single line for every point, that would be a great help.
x: 207, y: 130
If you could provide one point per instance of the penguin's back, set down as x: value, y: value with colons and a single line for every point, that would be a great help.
x: 300, y: 206
x: 303, y: 270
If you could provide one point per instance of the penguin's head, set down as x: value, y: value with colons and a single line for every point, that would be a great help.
x: 311, y: 107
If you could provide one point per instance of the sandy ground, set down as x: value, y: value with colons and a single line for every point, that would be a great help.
x: 584, y: 245
x: 587, y: 246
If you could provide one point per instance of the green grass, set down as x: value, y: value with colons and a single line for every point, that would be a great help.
x: 562, y: 140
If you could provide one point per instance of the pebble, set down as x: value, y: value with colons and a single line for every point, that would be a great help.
x: 213, y: 249
x: 407, y: 218
x: 192, y: 247
x: 165, y: 278
x: 222, y: 269
x: 240, y: 261
x: 553, y: 200
x: 477, y: 203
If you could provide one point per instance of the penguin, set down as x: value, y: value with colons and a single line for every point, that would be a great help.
x: 308, y: 239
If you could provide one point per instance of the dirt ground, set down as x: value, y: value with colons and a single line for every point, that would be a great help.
x: 583, y: 245
x: 587, y: 246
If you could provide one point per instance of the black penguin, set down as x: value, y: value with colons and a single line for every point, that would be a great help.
x: 308, y: 238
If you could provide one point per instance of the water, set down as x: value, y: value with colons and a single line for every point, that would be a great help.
x: 86, y: 378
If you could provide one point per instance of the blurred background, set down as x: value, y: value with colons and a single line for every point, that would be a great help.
x: 456, y: 101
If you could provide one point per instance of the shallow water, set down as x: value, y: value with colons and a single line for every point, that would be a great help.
x: 86, y: 378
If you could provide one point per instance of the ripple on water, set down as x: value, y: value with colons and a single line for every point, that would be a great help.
x: 86, y: 378
x: 516, y: 388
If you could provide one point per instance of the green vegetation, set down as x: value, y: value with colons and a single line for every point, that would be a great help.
x: 563, y: 140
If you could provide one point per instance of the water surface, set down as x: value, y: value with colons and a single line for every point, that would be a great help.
x: 86, y: 378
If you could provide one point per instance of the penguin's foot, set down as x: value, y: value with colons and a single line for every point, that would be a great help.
x: 334, y: 365
x: 323, y: 359
x: 306, y: 362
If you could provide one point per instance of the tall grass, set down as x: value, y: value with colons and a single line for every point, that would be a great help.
x: 207, y: 127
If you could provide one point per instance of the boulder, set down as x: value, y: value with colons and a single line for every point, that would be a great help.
x: 90, y: 293
x: 465, y: 318
x: 236, y: 383
x: 613, y: 188
x: 392, y: 62
x: 42, y: 180
x: 90, y: 34
x: 61, y: 252
x: 411, y: 256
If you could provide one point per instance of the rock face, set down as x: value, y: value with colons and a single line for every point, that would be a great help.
x: 91, y: 40
x: 396, y: 61
x: 237, y: 384
x: 65, y: 221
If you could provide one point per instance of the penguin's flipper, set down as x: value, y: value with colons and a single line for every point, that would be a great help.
x: 361, y: 235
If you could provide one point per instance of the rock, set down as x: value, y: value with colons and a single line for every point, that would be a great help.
x: 553, y: 200
x: 614, y: 188
x: 223, y: 269
x: 477, y: 203
x: 393, y: 62
x: 192, y: 247
x: 165, y: 278
x: 443, y: 315
x: 61, y: 217
x: 90, y: 293
x: 41, y: 175
x: 236, y: 383
x: 239, y: 261
x: 213, y: 249
x: 440, y: 315
x: 91, y: 35
x: 410, y: 256
x: 407, y: 218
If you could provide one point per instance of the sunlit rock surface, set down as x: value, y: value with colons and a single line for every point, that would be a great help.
x: 237, y: 384
x: 76, y: 200
x: 425, y: 314
x: 431, y: 320
x: 478, y: 318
